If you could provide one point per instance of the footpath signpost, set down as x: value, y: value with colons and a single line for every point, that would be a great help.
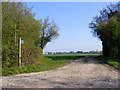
x: 20, y: 42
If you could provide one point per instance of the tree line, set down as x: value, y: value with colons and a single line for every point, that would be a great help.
x: 106, y: 27
x: 18, y: 22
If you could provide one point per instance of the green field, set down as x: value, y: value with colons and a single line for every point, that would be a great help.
x: 68, y: 56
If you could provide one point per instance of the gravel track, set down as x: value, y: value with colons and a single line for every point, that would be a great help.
x: 85, y: 72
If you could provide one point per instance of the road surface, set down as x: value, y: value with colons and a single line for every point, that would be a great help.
x: 85, y: 72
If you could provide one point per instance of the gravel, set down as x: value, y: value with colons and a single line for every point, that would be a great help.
x: 77, y: 74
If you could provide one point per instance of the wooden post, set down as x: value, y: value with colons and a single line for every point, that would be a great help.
x: 20, y: 52
x: 15, y: 35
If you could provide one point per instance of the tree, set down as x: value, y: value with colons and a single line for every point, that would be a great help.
x: 18, y: 21
x: 106, y: 28
x: 49, y: 31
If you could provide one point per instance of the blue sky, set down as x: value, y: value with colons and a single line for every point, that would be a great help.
x: 73, y: 18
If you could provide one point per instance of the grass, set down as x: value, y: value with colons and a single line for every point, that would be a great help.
x: 55, y: 61
x: 63, y: 57
x: 49, y: 63
x: 111, y: 61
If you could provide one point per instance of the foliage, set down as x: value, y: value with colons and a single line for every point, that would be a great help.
x: 106, y: 27
x: 18, y: 21
x: 49, y: 31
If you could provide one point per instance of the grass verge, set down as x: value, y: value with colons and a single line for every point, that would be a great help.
x: 49, y: 63
x: 111, y: 61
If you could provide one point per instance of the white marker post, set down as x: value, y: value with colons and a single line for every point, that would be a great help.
x: 20, y: 52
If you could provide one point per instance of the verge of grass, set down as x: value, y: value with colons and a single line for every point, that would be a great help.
x: 49, y: 63
x: 111, y: 61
